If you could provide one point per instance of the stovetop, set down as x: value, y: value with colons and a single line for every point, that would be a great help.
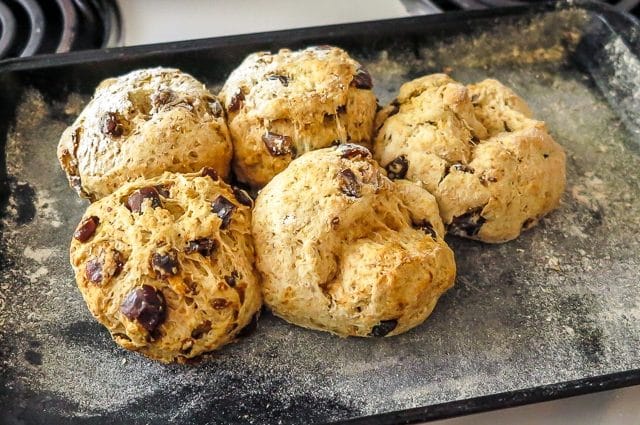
x: 29, y: 27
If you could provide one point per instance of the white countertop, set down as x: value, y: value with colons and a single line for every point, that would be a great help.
x: 616, y: 407
x: 168, y: 20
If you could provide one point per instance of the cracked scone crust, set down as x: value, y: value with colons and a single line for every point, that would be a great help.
x: 140, y: 125
x: 493, y: 169
x: 282, y: 105
x: 499, y: 109
x: 343, y: 249
x: 167, y: 265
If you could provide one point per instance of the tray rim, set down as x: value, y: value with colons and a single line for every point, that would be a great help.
x: 499, y: 401
x: 604, y: 10
x: 621, y: 23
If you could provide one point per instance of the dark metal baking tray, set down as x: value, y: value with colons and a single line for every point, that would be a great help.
x: 552, y: 314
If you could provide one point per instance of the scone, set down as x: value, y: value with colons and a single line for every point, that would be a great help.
x: 167, y: 264
x: 143, y: 124
x: 341, y: 248
x: 499, y: 109
x: 282, y: 105
x: 493, y: 169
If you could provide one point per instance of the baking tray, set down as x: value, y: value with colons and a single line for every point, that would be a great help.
x: 553, y: 314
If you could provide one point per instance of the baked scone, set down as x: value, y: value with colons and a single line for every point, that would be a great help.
x: 167, y: 264
x: 282, y: 105
x: 499, y: 109
x: 341, y: 248
x: 143, y: 124
x: 493, y: 169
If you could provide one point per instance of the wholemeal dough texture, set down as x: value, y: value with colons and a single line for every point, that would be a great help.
x: 167, y: 264
x: 341, y: 248
x: 282, y: 105
x: 493, y: 169
x: 499, y: 109
x: 140, y: 125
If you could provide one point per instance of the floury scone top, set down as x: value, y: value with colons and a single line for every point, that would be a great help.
x: 341, y: 248
x: 494, y: 170
x: 142, y: 124
x: 281, y: 105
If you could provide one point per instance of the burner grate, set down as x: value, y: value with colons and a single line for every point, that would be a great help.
x: 29, y: 27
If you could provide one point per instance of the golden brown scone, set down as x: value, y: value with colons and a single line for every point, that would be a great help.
x: 499, y: 109
x: 490, y: 183
x: 341, y: 248
x: 167, y: 264
x: 282, y: 105
x: 143, y: 124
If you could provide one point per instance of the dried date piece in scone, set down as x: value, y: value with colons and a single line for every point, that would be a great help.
x: 140, y: 125
x: 282, y: 105
x: 167, y: 265
x: 493, y: 170
x: 341, y: 248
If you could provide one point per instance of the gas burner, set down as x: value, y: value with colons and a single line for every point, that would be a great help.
x: 30, y: 27
x: 437, y: 6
